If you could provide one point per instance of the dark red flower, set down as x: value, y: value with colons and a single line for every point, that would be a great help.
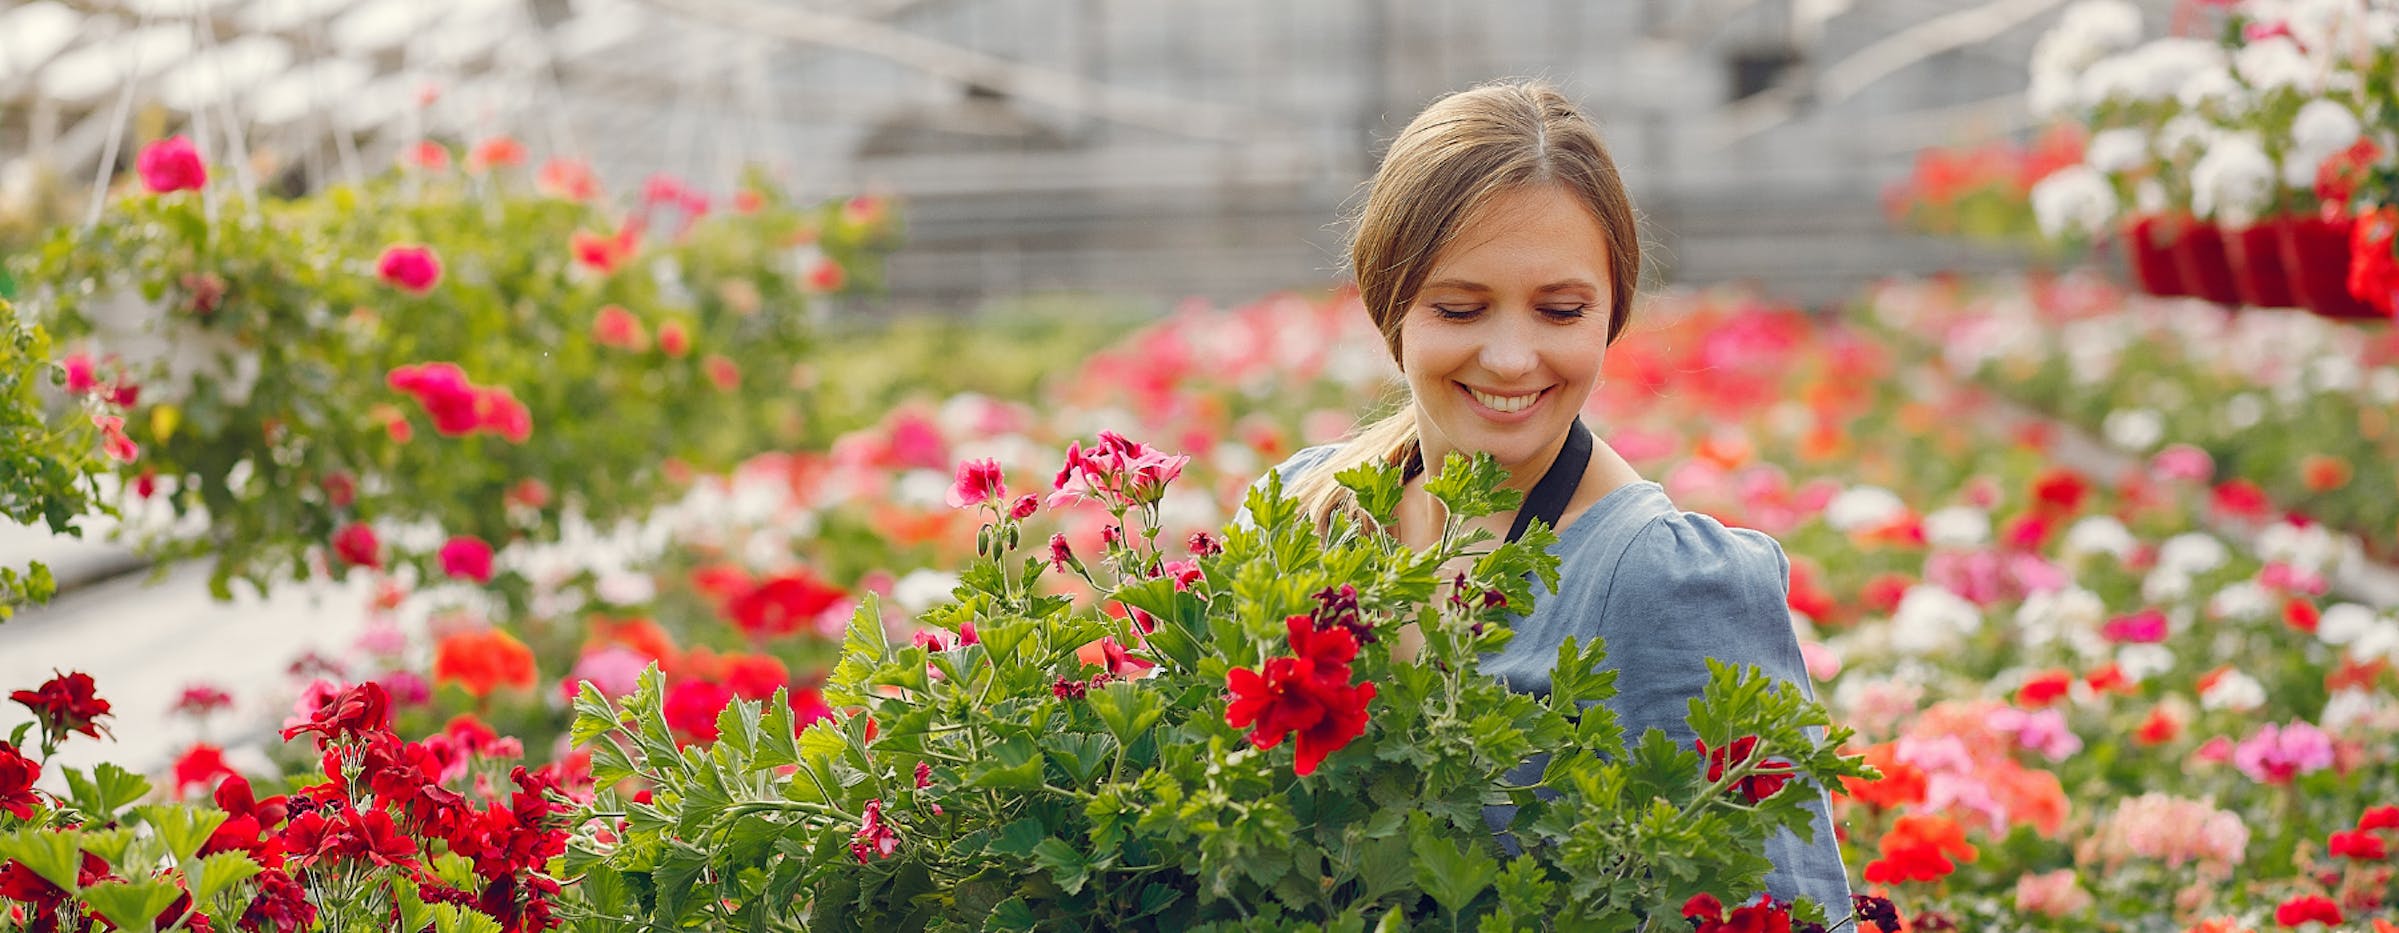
x: 2306, y: 907
x: 17, y: 774
x: 1760, y: 784
x: 66, y: 703
x: 356, y: 544
x: 363, y: 708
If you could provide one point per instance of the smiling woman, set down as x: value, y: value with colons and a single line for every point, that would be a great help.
x: 1498, y: 255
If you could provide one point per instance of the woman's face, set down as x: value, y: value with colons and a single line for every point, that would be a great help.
x: 1504, y: 342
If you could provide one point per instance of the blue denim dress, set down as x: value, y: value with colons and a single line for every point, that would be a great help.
x: 1668, y: 589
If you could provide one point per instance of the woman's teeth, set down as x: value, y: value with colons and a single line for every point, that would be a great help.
x: 1504, y: 403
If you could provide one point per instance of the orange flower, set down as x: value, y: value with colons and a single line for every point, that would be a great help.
x: 483, y: 661
x: 2033, y: 797
x: 1901, y: 783
x: 1920, y: 847
x: 2324, y: 472
x: 642, y: 636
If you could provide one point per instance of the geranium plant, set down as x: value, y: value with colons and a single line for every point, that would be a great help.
x: 358, y: 377
x: 1248, y: 751
x: 48, y: 466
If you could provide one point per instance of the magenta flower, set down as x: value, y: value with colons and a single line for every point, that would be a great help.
x: 467, y: 557
x: 170, y: 165
x: 2146, y: 627
x: 2278, y: 754
x: 874, y: 835
x: 80, y: 373
x: 410, y: 268
x: 978, y: 481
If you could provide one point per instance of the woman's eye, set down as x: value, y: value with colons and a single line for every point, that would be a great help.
x: 1456, y: 312
x: 1566, y: 313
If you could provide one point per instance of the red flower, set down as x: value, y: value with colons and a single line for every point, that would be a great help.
x: 2044, y: 688
x: 2382, y: 817
x: 567, y: 178
x: 2358, y: 844
x: 363, y: 708
x: 171, y: 164
x: 618, y: 328
x: 2161, y: 727
x: 673, y: 339
x: 66, y: 703
x: 17, y: 774
x: 2306, y: 907
x: 978, y: 480
x: 428, y: 155
x: 483, y: 661
x: 1762, y: 783
x: 113, y: 440
x: 1920, y: 847
x: 2243, y: 499
x: 356, y: 543
x: 467, y: 557
x: 495, y: 152
x: 692, y: 707
x: 2300, y: 614
x: 410, y: 268
x: 826, y: 276
x: 783, y: 605
x: 724, y: 373
x: 443, y: 390
x: 1309, y: 695
x: 755, y: 676
x: 2061, y: 490
x: 200, y: 765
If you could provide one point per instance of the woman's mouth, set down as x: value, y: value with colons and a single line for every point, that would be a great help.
x: 1496, y: 404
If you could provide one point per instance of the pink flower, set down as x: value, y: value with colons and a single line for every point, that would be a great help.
x: 1060, y: 554
x: 467, y: 557
x: 2278, y: 754
x: 568, y: 179
x: 2183, y: 462
x: 2052, y: 894
x: 410, y: 268
x: 170, y: 165
x: 2146, y: 627
x: 1025, y: 506
x: 113, y: 439
x: 1183, y: 572
x: 617, y: 327
x: 978, y: 481
x: 673, y: 340
x: 874, y: 835
x: 616, y: 670
x: 826, y: 276
x: 357, y: 544
x: 81, y: 377
x: 498, y: 411
x: 2043, y: 731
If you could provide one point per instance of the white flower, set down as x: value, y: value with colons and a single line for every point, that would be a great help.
x: 2118, y: 150
x: 1931, y: 619
x: 2320, y: 131
x: 922, y: 589
x: 2243, y: 411
x: 2383, y: 385
x: 2213, y: 85
x: 2149, y: 197
x: 2380, y: 640
x: 2348, y: 708
x: 2165, y: 585
x: 2072, y: 614
x: 2276, y: 63
x: 2343, y: 623
x: 2312, y: 548
x: 2085, y: 33
x: 2241, y: 600
x: 2192, y: 552
x: 2076, y: 200
x: 2234, y: 691
x: 922, y: 488
x: 2134, y: 429
x: 2141, y: 662
x: 1863, y: 507
x: 2096, y: 534
x: 2186, y: 136
x: 1958, y: 526
x: 2234, y: 182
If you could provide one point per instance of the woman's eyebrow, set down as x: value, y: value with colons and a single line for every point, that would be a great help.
x: 1464, y: 285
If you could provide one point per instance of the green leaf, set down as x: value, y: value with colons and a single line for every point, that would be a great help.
x: 53, y: 855
x: 1082, y: 754
x: 1470, y: 488
x: 1011, y: 916
x: 1011, y: 764
x: 450, y: 918
x: 1068, y: 867
x: 183, y: 829
x: 114, y: 846
x: 215, y: 874
x: 107, y: 790
x: 1126, y: 708
x: 1019, y: 838
x: 132, y: 905
x: 1452, y: 871
x: 1378, y: 488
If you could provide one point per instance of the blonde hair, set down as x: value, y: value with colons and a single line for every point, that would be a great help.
x: 1454, y: 158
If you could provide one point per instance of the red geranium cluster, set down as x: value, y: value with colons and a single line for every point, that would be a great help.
x: 458, y: 406
x: 783, y: 605
x: 2374, y: 258
x: 1308, y: 694
x: 1707, y: 915
x: 63, y: 704
x: 1769, y: 776
x: 1920, y: 847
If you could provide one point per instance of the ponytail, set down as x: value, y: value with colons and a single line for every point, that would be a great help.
x: 1390, y: 441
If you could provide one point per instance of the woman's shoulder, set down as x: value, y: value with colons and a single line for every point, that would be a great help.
x: 1690, y: 559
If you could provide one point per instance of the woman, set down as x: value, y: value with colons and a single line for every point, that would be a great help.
x: 1498, y: 255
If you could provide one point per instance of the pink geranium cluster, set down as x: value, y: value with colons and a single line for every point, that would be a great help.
x: 2279, y: 754
x: 1119, y: 472
x: 458, y: 406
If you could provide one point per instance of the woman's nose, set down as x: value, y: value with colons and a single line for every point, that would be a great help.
x: 1509, y: 351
